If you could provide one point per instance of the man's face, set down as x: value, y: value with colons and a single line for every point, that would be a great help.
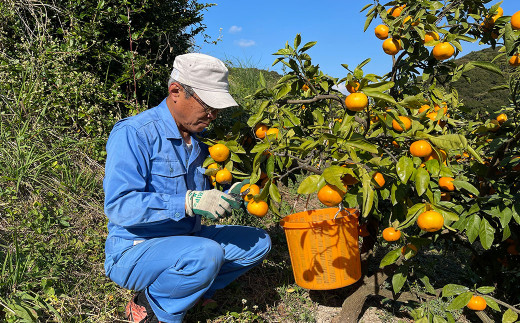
x: 189, y: 114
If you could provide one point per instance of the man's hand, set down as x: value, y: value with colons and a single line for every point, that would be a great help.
x: 210, y: 204
x: 235, y: 188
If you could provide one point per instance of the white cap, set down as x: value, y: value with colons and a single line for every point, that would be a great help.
x: 207, y: 75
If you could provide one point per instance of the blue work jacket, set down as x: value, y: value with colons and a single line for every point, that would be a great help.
x: 147, y: 173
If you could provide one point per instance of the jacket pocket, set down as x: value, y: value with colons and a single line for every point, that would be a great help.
x: 167, y: 176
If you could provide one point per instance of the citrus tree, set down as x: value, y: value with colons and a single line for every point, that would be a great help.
x: 403, y: 149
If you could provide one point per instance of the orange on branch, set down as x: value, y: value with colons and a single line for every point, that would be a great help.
x: 430, y: 221
x: 420, y: 148
x: 213, y: 166
x: 253, y: 190
x: 260, y: 130
x: 381, y: 32
x: 423, y: 108
x: 353, y: 86
x: 330, y: 195
x: 272, y: 131
x: 258, y: 209
x: 431, y: 35
x: 219, y: 152
x: 477, y: 303
x: 515, y: 20
x: 514, y: 60
x: 224, y: 176
x: 348, y: 179
x: 379, y: 179
x: 501, y: 118
x: 443, y: 51
x: 405, y: 120
x: 445, y: 196
x: 390, y: 234
x: 409, y: 247
x: 446, y: 183
x: 356, y: 101
x: 435, y: 155
x: 395, y: 11
x: 392, y: 46
x: 305, y: 87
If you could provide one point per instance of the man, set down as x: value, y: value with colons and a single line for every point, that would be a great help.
x: 156, y: 193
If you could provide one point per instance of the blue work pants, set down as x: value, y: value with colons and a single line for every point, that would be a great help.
x: 177, y: 271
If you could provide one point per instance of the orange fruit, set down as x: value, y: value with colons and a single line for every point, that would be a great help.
x: 390, y: 234
x: 446, y: 183
x: 420, y: 148
x: 514, y: 60
x: 431, y: 35
x: 381, y: 32
x: 223, y: 176
x: 353, y: 86
x: 392, y: 46
x: 305, y: 87
x: 443, y: 51
x: 477, y: 303
x: 213, y: 180
x: 515, y: 20
x: 273, y: 131
x: 501, y: 118
x: 260, y: 130
x: 499, y: 13
x: 437, y: 107
x: 219, y: 152
x: 395, y: 144
x: 395, y: 11
x: 356, y: 101
x: 253, y: 190
x: 414, y: 23
x: 409, y: 247
x: 258, y: 209
x: 330, y: 195
x: 430, y: 221
x: 423, y: 108
x: 405, y: 120
x: 213, y: 166
x: 379, y: 179
x: 434, y: 155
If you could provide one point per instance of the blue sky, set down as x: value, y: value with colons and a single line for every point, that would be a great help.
x: 250, y: 31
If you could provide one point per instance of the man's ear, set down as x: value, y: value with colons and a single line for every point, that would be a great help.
x: 174, y: 90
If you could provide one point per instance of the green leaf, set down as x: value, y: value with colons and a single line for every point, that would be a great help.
x: 509, y: 316
x: 460, y: 301
x: 390, y: 257
x: 422, y: 180
x: 309, y: 185
x: 487, y: 66
x: 486, y: 234
x: 282, y: 91
x: 438, y: 319
x: 360, y: 144
x: 294, y: 120
x: 449, y: 142
x: 473, y: 227
x: 261, y: 80
x: 381, y: 86
x: 297, y: 40
x: 467, y: 186
x: 368, y: 21
x: 474, y: 154
x: 275, y: 193
x: 405, y: 168
x: 368, y: 194
x: 453, y: 289
x: 399, y: 278
x: 491, y: 303
x: 426, y: 281
x: 486, y: 289
x: 379, y: 95
x: 307, y: 46
x: 333, y: 176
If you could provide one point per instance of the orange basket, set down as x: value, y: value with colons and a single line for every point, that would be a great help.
x: 324, y: 250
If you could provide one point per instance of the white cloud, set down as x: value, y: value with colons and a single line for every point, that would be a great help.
x: 235, y: 29
x: 246, y: 43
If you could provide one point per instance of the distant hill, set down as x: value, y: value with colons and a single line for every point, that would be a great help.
x: 475, y: 95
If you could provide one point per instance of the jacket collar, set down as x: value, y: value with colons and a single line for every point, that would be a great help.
x: 170, y: 127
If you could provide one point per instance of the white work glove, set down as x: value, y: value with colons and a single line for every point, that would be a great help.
x: 210, y: 204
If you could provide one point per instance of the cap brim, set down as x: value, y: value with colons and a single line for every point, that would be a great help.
x: 216, y: 99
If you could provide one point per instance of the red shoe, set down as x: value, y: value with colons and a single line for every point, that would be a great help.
x: 138, y: 310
